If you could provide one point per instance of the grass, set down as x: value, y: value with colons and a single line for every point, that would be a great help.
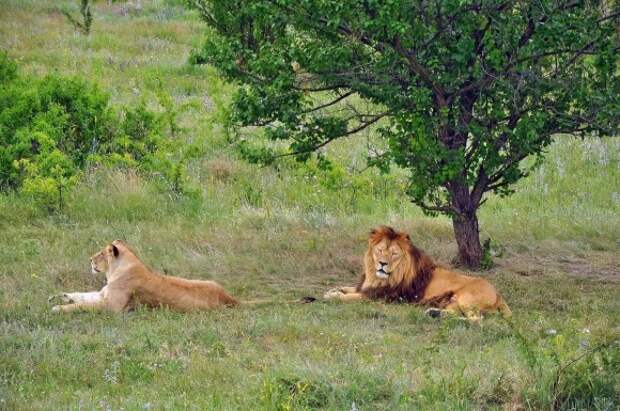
x: 290, y: 232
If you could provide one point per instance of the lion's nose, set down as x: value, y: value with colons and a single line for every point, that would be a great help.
x: 382, y: 264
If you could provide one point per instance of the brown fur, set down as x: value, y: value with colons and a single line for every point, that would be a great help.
x: 413, y: 277
x: 131, y: 283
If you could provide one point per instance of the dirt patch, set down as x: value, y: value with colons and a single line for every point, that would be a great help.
x: 591, y: 265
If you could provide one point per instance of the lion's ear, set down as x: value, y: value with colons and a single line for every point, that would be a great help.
x: 115, y: 250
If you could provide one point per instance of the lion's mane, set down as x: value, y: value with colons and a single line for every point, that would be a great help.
x: 411, y: 278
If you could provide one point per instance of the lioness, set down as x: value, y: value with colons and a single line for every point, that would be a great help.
x: 395, y: 270
x: 131, y: 283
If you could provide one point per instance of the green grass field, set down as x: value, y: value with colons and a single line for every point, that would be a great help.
x: 286, y: 233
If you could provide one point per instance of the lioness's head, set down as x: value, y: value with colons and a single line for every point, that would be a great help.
x: 388, y: 258
x: 104, y: 259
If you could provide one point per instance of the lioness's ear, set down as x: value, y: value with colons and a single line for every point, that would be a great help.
x: 115, y: 250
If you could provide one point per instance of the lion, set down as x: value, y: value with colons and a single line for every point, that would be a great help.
x: 396, y: 270
x: 130, y: 283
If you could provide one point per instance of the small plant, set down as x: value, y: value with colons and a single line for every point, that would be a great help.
x: 47, y: 177
x: 87, y: 18
x: 490, y: 250
x: 486, y: 262
x: 586, y: 378
x: 171, y: 113
x: 289, y: 392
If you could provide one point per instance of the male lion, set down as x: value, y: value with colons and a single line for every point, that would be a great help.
x: 131, y: 283
x: 395, y: 270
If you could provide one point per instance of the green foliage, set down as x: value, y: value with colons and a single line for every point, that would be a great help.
x: 171, y: 113
x: 141, y: 142
x: 87, y: 18
x: 52, y: 127
x: 8, y: 68
x: 286, y: 393
x: 461, y: 92
x: 48, y: 128
x: 487, y: 260
x: 566, y: 378
x: 46, y: 175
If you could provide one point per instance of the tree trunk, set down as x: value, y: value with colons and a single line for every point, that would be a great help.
x: 465, y: 225
x: 468, y: 239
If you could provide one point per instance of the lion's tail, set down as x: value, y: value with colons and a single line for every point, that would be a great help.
x: 502, y: 307
x: 303, y: 300
x: 228, y: 300
x: 256, y: 302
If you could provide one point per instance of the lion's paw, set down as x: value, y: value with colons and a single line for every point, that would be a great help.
x: 62, y: 297
x: 333, y: 294
x: 56, y: 309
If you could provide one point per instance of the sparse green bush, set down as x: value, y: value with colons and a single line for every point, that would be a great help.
x: 141, y: 142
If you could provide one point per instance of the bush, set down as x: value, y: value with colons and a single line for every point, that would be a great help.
x: 141, y: 143
x: 48, y: 126
x: 53, y: 127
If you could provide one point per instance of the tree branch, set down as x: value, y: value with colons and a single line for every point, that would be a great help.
x: 437, y: 208
x: 359, y: 128
x: 311, y: 110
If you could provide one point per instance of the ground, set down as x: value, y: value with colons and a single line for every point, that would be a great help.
x: 281, y: 234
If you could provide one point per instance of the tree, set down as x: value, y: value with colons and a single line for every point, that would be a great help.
x: 462, y: 90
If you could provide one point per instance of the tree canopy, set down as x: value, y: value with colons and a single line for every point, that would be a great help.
x: 461, y: 90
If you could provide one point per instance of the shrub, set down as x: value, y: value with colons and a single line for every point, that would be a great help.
x: 53, y: 127
x: 141, y: 142
x: 65, y: 119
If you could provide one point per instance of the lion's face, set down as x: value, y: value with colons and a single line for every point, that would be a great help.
x: 388, y: 260
x: 388, y: 256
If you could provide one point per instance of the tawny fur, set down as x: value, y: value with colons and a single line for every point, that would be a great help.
x: 130, y: 283
x: 409, y: 275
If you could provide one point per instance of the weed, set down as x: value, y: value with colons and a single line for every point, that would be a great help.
x: 83, y: 26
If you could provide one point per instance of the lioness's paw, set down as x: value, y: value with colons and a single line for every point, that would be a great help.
x: 333, y: 293
x: 56, y: 309
x: 62, y: 297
